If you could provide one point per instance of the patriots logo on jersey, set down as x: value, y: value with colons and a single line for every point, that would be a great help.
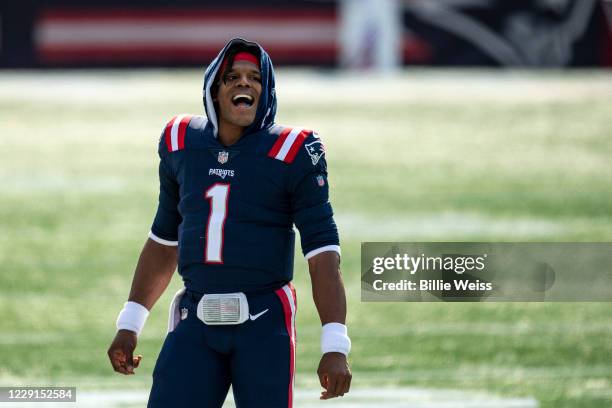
x: 315, y: 150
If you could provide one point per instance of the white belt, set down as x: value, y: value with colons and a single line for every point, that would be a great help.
x: 223, y: 308
x: 213, y: 309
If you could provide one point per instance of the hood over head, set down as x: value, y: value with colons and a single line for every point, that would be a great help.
x: 266, y: 110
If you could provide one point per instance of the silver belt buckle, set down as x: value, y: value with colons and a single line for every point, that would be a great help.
x: 223, y: 308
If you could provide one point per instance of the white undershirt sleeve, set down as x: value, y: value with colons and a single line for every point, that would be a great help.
x: 326, y: 248
x: 161, y: 240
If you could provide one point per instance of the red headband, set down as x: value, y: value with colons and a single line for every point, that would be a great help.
x: 247, y: 56
x: 242, y: 56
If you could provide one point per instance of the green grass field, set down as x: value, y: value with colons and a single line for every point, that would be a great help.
x: 425, y: 155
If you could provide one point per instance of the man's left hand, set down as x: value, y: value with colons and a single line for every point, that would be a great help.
x: 334, y: 375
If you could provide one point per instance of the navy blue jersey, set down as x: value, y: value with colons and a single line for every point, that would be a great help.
x: 231, y: 210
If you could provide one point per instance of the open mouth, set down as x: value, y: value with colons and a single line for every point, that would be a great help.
x: 243, y: 100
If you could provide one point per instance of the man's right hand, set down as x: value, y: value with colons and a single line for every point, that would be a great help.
x: 121, y: 352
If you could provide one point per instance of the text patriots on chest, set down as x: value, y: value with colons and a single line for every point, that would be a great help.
x: 221, y: 173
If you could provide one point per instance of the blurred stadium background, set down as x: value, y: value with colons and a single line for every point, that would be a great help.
x: 444, y: 120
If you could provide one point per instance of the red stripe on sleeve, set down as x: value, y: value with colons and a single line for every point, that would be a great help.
x: 182, y: 130
x: 167, y: 134
x: 297, y: 143
x: 279, y: 142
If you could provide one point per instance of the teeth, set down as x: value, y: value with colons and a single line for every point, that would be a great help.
x: 249, y: 97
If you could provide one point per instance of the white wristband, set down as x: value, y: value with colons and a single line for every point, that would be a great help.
x: 334, y: 338
x: 132, y: 317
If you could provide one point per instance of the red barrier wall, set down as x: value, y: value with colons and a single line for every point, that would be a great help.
x: 182, y: 36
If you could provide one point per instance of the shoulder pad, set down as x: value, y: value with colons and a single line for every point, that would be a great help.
x: 288, y: 143
x: 176, y: 129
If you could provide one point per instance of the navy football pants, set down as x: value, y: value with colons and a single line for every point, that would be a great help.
x: 197, y: 362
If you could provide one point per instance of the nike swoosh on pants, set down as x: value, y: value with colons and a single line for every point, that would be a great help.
x: 254, y: 317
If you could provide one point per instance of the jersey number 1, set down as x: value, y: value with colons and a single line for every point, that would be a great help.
x: 217, y: 195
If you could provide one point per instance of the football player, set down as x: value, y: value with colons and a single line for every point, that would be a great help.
x: 232, y: 185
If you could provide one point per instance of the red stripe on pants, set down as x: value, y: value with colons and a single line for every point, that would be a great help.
x: 289, y: 317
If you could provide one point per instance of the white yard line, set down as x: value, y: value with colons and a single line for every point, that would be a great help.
x: 359, y: 398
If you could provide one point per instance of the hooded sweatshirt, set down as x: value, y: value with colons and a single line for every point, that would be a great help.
x: 231, y: 209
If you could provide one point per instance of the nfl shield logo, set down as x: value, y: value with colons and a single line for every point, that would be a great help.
x: 222, y: 157
x: 320, y: 181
